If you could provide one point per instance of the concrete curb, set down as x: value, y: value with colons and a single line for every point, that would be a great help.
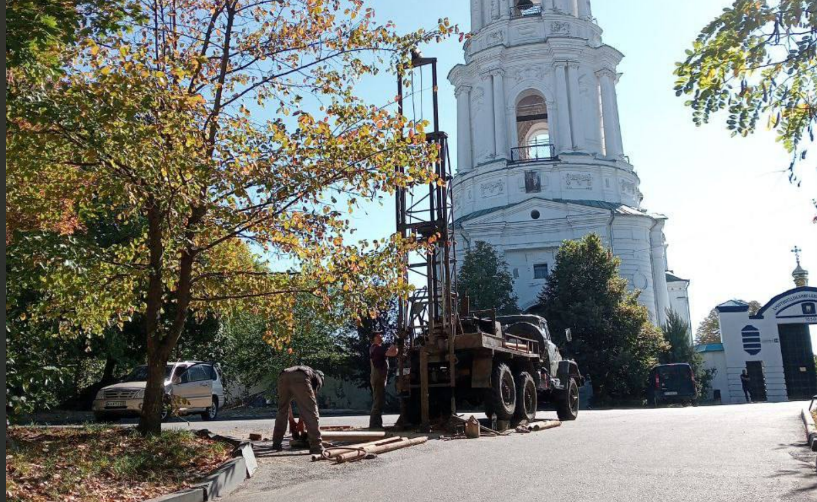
x: 223, y: 480
x: 811, y: 428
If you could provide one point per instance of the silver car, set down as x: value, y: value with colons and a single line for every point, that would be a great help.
x: 194, y: 387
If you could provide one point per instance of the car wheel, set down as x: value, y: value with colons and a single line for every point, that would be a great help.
x: 165, y: 413
x: 212, y: 412
x: 503, y: 392
x: 525, y: 397
x: 568, y: 406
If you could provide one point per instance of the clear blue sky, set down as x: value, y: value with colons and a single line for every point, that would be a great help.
x: 733, y: 216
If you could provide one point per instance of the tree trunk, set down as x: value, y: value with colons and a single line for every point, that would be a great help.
x: 150, y: 420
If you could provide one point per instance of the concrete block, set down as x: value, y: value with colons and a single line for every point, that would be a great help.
x: 191, y: 495
x: 226, y: 479
x: 246, y: 451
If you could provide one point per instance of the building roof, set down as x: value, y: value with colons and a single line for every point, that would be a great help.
x: 709, y: 347
x: 733, y: 306
x: 617, y: 208
x: 674, y: 278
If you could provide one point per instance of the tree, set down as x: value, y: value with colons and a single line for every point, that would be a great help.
x: 680, y: 350
x: 484, y: 278
x: 613, y: 339
x: 709, y: 331
x: 40, y: 33
x: 756, y: 61
x: 163, y: 124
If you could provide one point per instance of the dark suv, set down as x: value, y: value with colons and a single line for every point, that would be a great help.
x: 671, y: 383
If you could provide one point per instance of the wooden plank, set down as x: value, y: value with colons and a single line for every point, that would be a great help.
x: 352, y: 436
x: 357, y: 455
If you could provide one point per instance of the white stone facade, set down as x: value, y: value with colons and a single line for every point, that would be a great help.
x: 540, y: 151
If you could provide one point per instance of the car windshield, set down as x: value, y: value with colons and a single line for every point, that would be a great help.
x: 140, y: 374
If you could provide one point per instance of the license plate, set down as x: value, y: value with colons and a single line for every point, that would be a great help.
x: 115, y: 404
x: 670, y: 393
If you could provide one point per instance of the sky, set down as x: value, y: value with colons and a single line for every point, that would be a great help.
x: 733, y: 215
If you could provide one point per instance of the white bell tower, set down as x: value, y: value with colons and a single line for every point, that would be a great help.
x: 540, y: 155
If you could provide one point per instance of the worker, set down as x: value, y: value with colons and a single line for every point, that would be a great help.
x: 378, y: 355
x: 299, y: 384
x: 746, y: 383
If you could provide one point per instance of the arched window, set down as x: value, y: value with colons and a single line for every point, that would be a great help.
x: 532, y: 129
x: 523, y: 8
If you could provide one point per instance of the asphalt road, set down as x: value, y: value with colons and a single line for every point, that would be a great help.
x: 722, y: 453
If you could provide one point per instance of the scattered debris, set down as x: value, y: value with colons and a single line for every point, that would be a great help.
x: 255, y: 436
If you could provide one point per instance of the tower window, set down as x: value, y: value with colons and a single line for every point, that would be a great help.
x: 540, y: 271
x: 524, y: 8
x: 532, y: 129
x: 535, y: 214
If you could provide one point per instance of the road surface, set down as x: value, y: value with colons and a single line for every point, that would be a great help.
x: 719, y: 453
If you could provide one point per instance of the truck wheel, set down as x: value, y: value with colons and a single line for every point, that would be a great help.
x: 503, y: 392
x: 525, y: 397
x: 568, y: 405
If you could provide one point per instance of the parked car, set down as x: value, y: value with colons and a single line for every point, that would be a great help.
x: 672, y: 383
x: 195, y: 386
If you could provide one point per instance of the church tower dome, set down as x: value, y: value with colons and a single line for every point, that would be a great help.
x: 540, y: 154
x: 800, y: 275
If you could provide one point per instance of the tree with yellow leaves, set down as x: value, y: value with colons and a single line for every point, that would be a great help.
x: 157, y: 130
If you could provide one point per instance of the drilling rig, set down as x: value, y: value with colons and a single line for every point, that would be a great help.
x: 448, y: 354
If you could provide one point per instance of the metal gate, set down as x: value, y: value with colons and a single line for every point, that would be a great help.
x: 798, y: 361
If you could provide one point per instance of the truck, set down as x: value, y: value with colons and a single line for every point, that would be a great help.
x: 448, y: 355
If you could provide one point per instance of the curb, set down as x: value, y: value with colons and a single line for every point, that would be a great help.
x: 223, y: 480
x: 811, y: 428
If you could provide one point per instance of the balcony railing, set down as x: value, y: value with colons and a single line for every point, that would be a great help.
x: 533, y: 153
x: 533, y: 10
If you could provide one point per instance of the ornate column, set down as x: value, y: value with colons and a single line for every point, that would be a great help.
x: 476, y: 15
x: 564, y: 6
x: 659, y: 271
x: 576, y: 125
x: 505, y: 8
x: 609, y: 104
x: 564, y: 142
x: 464, y: 155
x: 500, y: 124
x: 487, y: 114
x: 584, y: 9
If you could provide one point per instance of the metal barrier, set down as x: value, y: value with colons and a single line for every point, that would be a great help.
x: 533, y: 153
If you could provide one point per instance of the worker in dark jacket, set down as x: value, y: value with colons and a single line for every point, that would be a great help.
x: 299, y: 384
x: 746, y: 383
x: 379, y: 363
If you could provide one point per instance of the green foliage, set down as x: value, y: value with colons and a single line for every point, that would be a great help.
x: 40, y: 33
x: 485, y: 279
x: 679, y: 350
x: 613, y: 339
x: 757, y: 61
x: 247, y: 360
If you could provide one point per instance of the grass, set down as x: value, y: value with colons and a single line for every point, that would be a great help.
x: 102, y: 463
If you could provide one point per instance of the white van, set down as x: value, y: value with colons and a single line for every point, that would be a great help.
x: 198, y: 384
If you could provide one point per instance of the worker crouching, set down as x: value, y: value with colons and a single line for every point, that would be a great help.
x: 299, y: 384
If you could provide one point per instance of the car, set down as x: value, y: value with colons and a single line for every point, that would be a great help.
x: 671, y: 383
x: 194, y: 387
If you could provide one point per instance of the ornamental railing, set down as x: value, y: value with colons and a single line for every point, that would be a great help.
x: 533, y: 153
